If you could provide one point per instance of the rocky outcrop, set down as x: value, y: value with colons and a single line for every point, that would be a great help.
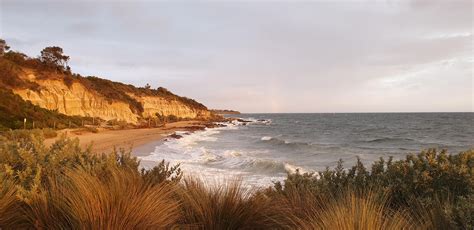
x: 78, y: 100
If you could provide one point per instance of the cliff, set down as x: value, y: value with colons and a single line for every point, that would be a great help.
x: 74, y: 95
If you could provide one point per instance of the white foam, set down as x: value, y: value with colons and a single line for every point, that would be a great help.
x: 195, y: 159
x: 266, y: 138
x: 293, y: 169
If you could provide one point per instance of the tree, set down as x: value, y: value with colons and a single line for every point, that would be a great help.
x: 54, y: 56
x: 3, y: 47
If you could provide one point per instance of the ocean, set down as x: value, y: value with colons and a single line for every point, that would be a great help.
x: 265, y: 149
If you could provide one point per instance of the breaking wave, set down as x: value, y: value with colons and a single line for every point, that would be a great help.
x: 388, y: 139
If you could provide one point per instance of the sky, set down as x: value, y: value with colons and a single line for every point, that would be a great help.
x: 266, y: 56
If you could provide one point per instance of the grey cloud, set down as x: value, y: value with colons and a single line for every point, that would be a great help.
x: 259, y: 56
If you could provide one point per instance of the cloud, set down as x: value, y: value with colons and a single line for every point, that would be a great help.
x: 266, y: 56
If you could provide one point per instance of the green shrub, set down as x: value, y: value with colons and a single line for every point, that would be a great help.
x: 428, y: 178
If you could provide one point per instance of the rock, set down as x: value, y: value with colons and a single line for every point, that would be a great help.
x: 175, y: 136
x: 194, y: 128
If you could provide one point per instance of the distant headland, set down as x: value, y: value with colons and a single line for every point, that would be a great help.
x: 225, y: 111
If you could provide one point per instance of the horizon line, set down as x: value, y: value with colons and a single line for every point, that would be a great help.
x: 343, y: 112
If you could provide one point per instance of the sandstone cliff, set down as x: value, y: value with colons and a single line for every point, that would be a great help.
x: 76, y: 99
x: 75, y: 95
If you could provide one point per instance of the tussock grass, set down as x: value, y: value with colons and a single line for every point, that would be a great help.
x: 8, y: 203
x: 229, y: 205
x: 353, y: 210
x: 122, y: 200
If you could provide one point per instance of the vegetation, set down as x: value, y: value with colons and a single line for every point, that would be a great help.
x: 9, y: 72
x: 3, y: 46
x: 53, y: 56
x: 65, y: 187
x: 164, y: 119
x: 431, y: 180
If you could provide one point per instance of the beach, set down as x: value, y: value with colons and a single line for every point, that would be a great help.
x: 142, y: 139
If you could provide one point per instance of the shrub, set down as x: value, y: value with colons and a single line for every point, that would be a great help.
x: 427, y: 178
x: 91, y: 129
x: 49, y: 133
x: 161, y: 173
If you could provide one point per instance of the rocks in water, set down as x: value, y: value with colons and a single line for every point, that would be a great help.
x: 215, y: 125
x: 175, y: 136
x: 194, y: 128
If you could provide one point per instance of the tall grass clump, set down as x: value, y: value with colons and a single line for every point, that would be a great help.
x: 8, y: 202
x: 353, y: 210
x: 122, y: 200
x: 228, y: 205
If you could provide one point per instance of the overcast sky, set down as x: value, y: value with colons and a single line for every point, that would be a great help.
x: 266, y: 56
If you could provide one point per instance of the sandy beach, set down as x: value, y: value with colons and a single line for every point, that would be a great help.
x: 138, y: 140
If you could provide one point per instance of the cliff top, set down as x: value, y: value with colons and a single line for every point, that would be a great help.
x: 52, y: 65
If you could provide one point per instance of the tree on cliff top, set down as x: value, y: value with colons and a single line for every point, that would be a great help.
x: 54, y: 56
x: 3, y: 47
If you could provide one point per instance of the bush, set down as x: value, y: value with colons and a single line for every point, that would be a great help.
x: 49, y: 133
x: 432, y: 178
x: 91, y: 129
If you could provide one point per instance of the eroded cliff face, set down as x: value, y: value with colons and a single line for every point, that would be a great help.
x: 158, y: 105
x: 78, y: 100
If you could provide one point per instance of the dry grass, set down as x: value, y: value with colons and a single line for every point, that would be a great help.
x: 123, y: 200
x: 228, y: 205
x: 8, y: 203
x: 353, y: 210
x: 350, y: 210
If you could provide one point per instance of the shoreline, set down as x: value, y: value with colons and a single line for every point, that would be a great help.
x: 138, y: 141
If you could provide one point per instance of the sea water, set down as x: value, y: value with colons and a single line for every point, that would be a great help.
x: 265, y: 149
